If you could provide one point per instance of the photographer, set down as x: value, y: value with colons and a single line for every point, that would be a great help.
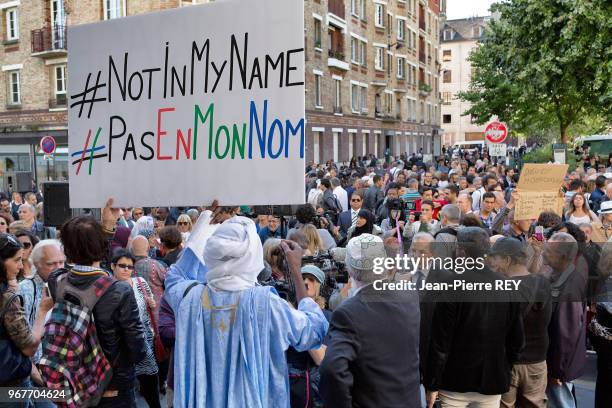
x: 304, y: 366
x: 231, y: 331
x: 305, y: 215
x: 424, y: 223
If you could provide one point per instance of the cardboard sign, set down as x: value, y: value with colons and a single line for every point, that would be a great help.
x: 538, y: 189
x: 179, y: 107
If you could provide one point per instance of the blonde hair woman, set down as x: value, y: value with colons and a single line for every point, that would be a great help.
x: 184, y: 225
x: 315, y: 244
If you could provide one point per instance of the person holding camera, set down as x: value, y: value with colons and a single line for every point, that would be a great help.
x: 303, y: 366
x: 231, y: 334
x: 424, y: 222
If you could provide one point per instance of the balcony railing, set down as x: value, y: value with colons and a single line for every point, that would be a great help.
x: 336, y: 7
x: 49, y: 39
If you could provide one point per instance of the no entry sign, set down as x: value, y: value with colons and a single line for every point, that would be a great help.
x: 496, y: 132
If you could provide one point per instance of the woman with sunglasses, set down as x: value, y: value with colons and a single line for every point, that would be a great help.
x: 146, y: 371
x: 184, y: 225
x: 5, y: 221
x: 18, y: 342
x: 29, y: 241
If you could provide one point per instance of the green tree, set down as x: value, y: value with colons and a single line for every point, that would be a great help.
x: 544, y: 64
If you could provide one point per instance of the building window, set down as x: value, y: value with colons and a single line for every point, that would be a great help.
x: 364, y: 99
x: 401, y: 27
x: 401, y: 66
x: 362, y: 8
x: 379, y: 60
x: 12, y: 24
x: 446, y: 55
x: 338, y: 96
x: 14, y: 88
x: 447, y: 77
x: 317, y: 33
x: 388, y: 103
x: 448, y: 35
x: 318, y: 102
x: 114, y: 9
x: 355, y: 98
x: 60, y: 84
x: 362, y: 53
x: 354, y: 6
x: 379, y: 16
x: 354, y: 50
x: 447, y: 98
x: 446, y: 118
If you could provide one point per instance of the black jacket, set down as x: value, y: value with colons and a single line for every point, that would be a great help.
x: 473, y: 345
x: 372, y: 355
x: 118, y: 326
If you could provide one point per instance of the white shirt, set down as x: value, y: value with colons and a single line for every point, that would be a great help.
x: 342, y: 197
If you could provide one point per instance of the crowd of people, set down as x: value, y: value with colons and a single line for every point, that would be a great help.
x: 236, y: 306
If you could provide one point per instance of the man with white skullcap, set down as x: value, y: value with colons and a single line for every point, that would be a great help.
x: 231, y: 335
x: 372, y: 357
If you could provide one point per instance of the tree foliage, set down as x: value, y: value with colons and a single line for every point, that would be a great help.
x: 544, y: 64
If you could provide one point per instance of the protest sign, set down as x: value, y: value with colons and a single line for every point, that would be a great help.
x: 538, y: 189
x: 497, y: 149
x: 179, y: 107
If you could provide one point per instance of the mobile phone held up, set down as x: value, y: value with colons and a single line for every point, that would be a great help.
x: 539, y: 233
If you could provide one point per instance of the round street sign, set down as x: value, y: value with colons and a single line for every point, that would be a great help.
x: 496, y: 132
x: 47, y: 144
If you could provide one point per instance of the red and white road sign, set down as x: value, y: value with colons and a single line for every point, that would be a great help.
x: 496, y: 132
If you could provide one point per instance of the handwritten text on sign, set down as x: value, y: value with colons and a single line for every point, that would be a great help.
x: 538, y: 189
x: 160, y: 116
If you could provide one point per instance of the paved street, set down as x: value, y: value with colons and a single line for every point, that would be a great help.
x: 585, y: 386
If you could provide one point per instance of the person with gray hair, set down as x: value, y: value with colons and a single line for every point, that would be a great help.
x: 27, y: 214
x: 484, y: 334
x: 446, y: 237
x: 340, y: 193
x: 567, y: 329
x: 46, y: 257
x: 374, y: 329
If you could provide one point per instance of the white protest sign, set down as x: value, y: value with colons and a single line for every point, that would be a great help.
x: 497, y: 149
x: 179, y: 107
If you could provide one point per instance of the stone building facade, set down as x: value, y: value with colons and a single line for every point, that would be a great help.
x: 372, y: 79
x: 458, y: 39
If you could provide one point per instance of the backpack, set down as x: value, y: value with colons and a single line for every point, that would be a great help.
x: 15, y: 365
x: 72, y: 358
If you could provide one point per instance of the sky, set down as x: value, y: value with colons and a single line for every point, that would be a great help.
x: 467, y: 8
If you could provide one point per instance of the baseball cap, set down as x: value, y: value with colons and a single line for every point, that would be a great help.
x: 314, y: 271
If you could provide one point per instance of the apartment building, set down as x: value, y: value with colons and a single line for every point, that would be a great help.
x: 458, y: 39
x: 372, y: 78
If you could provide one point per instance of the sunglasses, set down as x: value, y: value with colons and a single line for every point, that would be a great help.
x: 26, y: 245
x: 137, y: 214
x: 125, y: 266
x: 182, y: 223
x: 355, y: 200
x: 9, y: 240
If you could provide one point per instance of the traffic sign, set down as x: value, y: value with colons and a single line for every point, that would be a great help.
x: 48, y: 145
x: 496, y: 132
